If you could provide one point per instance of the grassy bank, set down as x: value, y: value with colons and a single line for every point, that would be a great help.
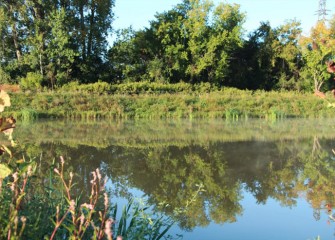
x: 226, y: 103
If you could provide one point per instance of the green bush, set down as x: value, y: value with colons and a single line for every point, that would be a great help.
x: 4, y: 77
x: 98, y: 87
x: 33, y: 81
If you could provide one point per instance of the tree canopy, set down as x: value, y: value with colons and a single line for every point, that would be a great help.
x: 51, y: 43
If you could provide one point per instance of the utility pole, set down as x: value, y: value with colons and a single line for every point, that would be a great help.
x: 322, y: 11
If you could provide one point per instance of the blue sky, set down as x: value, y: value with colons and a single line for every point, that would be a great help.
x: 138, y: 13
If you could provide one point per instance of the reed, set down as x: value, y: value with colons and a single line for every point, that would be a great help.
x: 228, y: 103
x: 27, y: 115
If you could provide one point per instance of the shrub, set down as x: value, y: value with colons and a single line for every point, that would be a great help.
x: 98, y: 87
x: 33, y: 81
x: 4, y: 77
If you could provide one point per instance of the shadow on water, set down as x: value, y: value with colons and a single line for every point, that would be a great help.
x: 168, y: 161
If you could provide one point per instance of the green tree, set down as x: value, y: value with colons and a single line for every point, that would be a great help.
x: 288, y: 62
x: 317, y: 49
x: 59, y: 53
x: 224, y: 41
x: 13, y: 31
x: 269, y: 58
x: 192, y: 42
x: 93, y: 21
x: 128, y: 57
x: 60, y: 39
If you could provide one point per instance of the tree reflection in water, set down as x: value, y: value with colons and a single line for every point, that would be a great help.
x: 166, y: 160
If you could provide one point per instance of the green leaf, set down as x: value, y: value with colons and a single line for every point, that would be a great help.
x: 4, y: 171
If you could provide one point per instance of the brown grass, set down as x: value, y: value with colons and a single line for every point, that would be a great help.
x: 10, y: 88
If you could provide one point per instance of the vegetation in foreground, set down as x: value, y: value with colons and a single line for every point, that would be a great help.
x: 37, y: 205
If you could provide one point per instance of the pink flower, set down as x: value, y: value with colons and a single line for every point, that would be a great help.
x: 62, y: 160
x: 82, y: 219
x: 23, y: 219
x: 106, y: 200
x: 72, y: 206
x: 15, y: 176
x: 88, y: 206
x: 108, y: 228
x: 30, y: 170
x: 98, y: 173
x: 94, y: 177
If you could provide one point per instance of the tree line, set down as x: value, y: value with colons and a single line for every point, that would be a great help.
x: 53, y: 42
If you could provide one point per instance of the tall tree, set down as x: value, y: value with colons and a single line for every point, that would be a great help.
x: 269, y: 58
x: 193, y: 42
x: 288, y: 60
x: 94, y: 23
x: 12, y: 15
x: 317, y: 49
x: 56, y: 39
x: 60, y: 54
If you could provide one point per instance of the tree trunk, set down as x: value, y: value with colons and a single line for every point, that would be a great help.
x: 82, y: 31
x: 91, y: 27
x: 16, y: 43
x: 39, y: 20
x: 15, y: 35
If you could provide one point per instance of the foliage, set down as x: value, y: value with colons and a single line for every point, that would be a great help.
x: 273, y: 57
x: 49, y: 44
x: 57, y: 39
x: 4, y: 76
x: 33, y: 81
x: 192, y: 42
x: 175, y: 101
x: 317, y: 49
x: 141, y: 225
x: 96, y: 88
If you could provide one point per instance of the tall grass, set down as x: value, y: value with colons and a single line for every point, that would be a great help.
x: 27, y: 115
x: 57, y: 212
x: 228, y: 103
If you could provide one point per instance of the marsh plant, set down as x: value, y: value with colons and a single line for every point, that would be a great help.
x: 28, y: 213
x: 79, y: 218
x: 50, y: 206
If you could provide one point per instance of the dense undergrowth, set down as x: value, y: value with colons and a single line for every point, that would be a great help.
x: 146, y: 100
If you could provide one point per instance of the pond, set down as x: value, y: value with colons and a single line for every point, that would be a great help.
x: 252, y: 179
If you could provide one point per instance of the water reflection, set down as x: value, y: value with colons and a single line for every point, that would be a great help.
x: 284, y: 161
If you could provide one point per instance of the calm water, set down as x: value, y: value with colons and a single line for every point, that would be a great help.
x: 261, y: 180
